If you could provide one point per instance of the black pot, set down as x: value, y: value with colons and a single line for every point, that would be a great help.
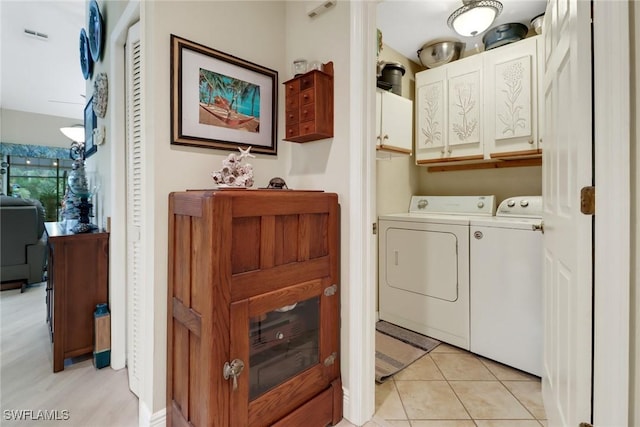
x: 392, y: 73
x: 504, y: 34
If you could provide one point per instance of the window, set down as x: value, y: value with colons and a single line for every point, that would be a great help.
x: 41, y: 179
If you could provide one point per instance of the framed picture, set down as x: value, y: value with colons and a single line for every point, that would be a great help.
x: 220, y: 101
x: 90, y: 123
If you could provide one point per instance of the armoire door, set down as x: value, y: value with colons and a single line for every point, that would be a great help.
x: 283, y: 351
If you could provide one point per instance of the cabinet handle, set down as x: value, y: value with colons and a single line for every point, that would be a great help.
x: 378, y: 137
x: 531, y: 141
x: 449, y: 150
x: 540, y: 140
x: 385, y: 136
x: 305, y: 96
x: 232, y: 370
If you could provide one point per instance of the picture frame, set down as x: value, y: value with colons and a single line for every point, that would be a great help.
x: 220, y: 101
x: 90, y: 123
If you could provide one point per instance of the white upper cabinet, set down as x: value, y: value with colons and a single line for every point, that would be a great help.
x: 480, y: 107
x: 512, y: 99
x: 449, y: 112
x: 394, y: 123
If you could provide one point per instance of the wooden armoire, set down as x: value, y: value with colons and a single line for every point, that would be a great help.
x: 253, y: 309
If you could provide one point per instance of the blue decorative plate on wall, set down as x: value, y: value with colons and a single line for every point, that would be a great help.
x: 96, y: 30
x: 85, y: 58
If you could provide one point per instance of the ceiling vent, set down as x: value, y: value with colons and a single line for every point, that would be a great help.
x: 35, y: 34
x: 318, y: 7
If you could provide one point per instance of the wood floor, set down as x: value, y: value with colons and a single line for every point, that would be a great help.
x: 78, y: 396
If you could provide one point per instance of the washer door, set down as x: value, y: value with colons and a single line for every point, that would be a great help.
x: 423, y: 262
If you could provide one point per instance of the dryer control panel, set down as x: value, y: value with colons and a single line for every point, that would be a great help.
x: 521, y: 206
x: 454, y: 205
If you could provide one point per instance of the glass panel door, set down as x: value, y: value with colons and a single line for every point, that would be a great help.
x: 282, y: 343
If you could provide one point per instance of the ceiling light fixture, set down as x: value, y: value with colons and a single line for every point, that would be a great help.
x: 74, y: 133
x: 474, y: 17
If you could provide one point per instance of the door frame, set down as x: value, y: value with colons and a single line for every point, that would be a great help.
x: 612, y: 229
x: 612, y: 257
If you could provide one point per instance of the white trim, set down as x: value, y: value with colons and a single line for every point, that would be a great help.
x: 117, y: 199
x: 158, y: 419
x: 359, y: 396
x: 612, y: 117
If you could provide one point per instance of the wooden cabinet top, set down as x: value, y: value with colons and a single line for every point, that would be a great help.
x: 60, y: 230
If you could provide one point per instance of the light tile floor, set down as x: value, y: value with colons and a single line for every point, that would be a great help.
x: 450, y: 387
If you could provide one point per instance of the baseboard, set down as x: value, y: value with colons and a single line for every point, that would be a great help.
x: 147, y: 419
x: 159, y: 419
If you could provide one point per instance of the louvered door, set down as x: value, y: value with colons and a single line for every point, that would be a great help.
x: 134, y: 185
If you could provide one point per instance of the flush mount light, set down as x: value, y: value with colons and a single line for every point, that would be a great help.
x: 474, y: 17
x: 74, y: 133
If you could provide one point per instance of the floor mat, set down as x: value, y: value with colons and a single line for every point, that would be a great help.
x: 397, y: 348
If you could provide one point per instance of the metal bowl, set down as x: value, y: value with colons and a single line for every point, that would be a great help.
x: 434, y: 54
x: 536, y: 23
x: 504, y: 34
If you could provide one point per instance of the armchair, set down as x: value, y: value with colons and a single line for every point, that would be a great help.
x: 23, y: 241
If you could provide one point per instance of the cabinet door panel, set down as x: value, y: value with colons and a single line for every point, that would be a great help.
x: 430, y: 114
x: 283, y: 337
x: 464, y: 107
x: 511, y: 99
x: 396, y: 127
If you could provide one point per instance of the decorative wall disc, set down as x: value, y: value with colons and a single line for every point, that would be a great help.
x: 100, y: 95
x: 95, y: 30
x: 85, y: 58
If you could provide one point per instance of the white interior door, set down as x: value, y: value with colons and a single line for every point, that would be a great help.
x: 567, y: 167
x: 134, y: 209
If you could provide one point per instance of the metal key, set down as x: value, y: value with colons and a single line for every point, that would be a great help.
x: 233, y: 369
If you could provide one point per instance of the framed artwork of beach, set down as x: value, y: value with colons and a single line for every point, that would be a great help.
x: 220, y: 101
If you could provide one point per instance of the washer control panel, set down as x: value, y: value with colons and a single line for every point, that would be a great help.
x: 467, y: 205
x: 521, y: 206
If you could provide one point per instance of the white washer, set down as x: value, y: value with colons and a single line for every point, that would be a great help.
x: 423, y: 259
x: 506, y: 284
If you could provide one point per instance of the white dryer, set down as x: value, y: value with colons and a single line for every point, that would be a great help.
x: 506, y: 284
x: 423, y: 260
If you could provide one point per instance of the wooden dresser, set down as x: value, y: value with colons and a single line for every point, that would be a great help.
x: 253, y: 309
x: 77, y: 280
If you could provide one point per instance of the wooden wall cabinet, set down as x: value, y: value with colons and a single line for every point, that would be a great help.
x: 253, y: 309
x: 309, y: 106
x: 77, y: 281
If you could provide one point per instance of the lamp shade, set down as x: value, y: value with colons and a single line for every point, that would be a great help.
x: 474, y: 17
x: 74, y: 133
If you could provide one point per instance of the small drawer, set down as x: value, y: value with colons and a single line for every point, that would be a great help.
x: 307, y: 81
x: 307, y: 128
x: 292, y: 102
x: 292, y: 116
x: 292, y: 131
x: 292, y: 87
x: 307, y: 112
x: 307, y: 96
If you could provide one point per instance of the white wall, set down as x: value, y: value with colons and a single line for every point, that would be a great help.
x: 254, y: 31
x: 397, y: 177
x: 634, y: 357
x: 504, y: 182
x: 20, y: 127
x: 325, y: 164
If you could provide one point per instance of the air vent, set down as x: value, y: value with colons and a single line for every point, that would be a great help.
x: 318, y: 7
x: 35, y: 34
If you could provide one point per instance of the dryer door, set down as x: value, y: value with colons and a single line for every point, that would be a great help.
x: 423, y: 262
